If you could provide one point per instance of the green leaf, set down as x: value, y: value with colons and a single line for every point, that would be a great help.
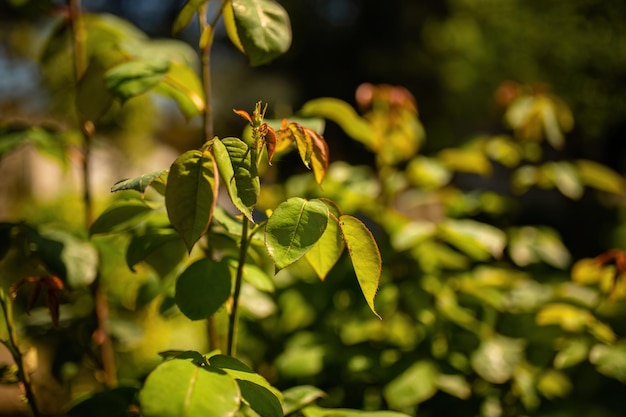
x: 610, y: 360
x: 315, y: 411
x: 191, y: 193
x: 344, y: 115
x: 120, y: 215
x: 293, y: 228
x: 478, y: 240
x: 264, y: 29
x: 414, y: 386
x: 496, y: 359
x: 182, y: 84
x: 261, y: 400
x: 296, y: 398
x: 203, y: 288
x: 186, y: 14
x: 364, y: 255
x: 110, y: 403
x: 132, y: 78
x: 180, y: 388
x: 141, y: 246
x: 599, y: 176
x: 238, y: 173
x: 157, y: 179
x: 72, y: 259
x: 327, y: 251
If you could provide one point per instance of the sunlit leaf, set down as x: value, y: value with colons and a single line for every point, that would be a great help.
x: 466, y: 160
x: 344, y: 115
x: 530, y: 245
x: 203, y: 288
x: 191, y: 194
x: 455, y: 385
x: 415, y: 385
x: 326, y: 252
x: 186, y: 15
x: 120, y: 215
x: 478, y: 240
x: 554, y: 384
x: 231, y: 26
x: 572, y: 353
x: 263, y: 28
x: 293, y: 228
x: 588, y: 271
x: 428, y: 173
x: 238, y: 172
x: 600, y: 176
x: 157, y: 179
x: 496, y: 359
x: 610, y: 360
x: 574, y: 319
x: 364, y: 255
x: 182, y: 84
x: 298, y: 397
x: 190, y: 390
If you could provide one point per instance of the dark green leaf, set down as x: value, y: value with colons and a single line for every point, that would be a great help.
x: 293, y: 228
x: 191, y: 193
x: 132, y: 78
x: 157, y: 179
x: 203, y: 288
x: 116, y: 402
x: 261, y: 400
x: 119, y: 216
x: 141, y: 246
x: 264, y: 29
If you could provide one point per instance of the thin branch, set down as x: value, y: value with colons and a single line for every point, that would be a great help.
x: 12, y: 346
x: 234, y: 313
x: 206, y: 41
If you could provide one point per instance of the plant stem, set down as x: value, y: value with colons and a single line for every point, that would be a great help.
x: 234, y: 313
x: 12, y: 346
x: 87, y: 128
x: 206, y: 41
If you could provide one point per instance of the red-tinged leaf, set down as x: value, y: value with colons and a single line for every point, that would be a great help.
x: 319, y: 158
x: 191, y: 193
x: 364, y: 255
x: 244, y: 114
x: 270, y: 142
x: 303, y: 142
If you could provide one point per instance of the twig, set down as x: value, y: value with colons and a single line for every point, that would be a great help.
x: 234, y: 313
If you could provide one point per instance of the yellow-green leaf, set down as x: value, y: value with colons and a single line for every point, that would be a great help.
x: 364, y: 255
x: 326, y: 252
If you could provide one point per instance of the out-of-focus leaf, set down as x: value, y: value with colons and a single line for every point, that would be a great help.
x: 293, y: 228
x: 119, y: 216
x: 554, y: 384
x: 315, y: 411
x: 365, y: 256
x: 190, y: 390
x: 496, y: 359
x: 191, y: 194
x: 203, y: 288
x: 504, y: 150
x: 157, y: 179
x: 230, y: 25
x: 574, y: 319
x: 238, y: 172
x: 298, y: 397
x: 344, y: 115
x: 115, y: 402
x: 589, y: 271
x: 135, y: 77
x: 186, y: 14
x: 572, y: 352
x: 413, y: 386
x: 478, y: 240
x: 455, y: 385
x: 327, y: 251
x: 263, y: 28
x: 470, y: 160
x: 182, y: 84
x: 600, y: 176
x: 530, y: 245
x: 141, y: 246
x: 412, y: 234
x: 610, y: 360
x: 428, y: 173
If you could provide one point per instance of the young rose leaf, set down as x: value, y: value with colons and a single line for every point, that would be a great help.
x: 191, y: 193
x: 326, y: 252
x: 293, y: 228
x: 239, y: 174
x: 312, y: 147
x: 263, y: 28
x: 190, y: 390
x: 364, y: 255
x: 157, y: 179
x: 203, y: 288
